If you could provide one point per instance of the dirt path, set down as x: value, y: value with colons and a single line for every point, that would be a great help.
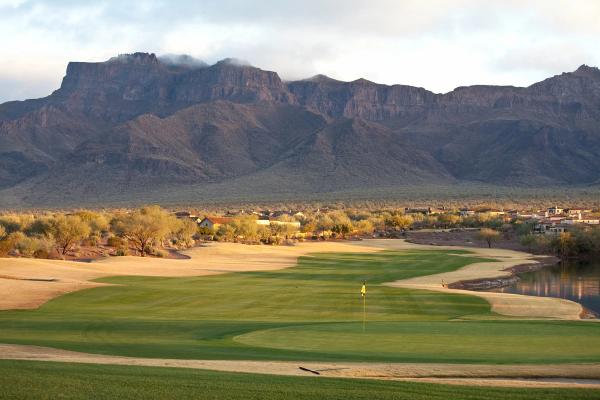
x: 575, y: 375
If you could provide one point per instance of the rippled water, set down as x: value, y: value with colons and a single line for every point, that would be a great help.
x: 577, y: 281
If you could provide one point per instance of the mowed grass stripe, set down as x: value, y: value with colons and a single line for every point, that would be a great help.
x: 48, y: 380
x: 310, y: 312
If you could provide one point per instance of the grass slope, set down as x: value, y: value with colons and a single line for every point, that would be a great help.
x: 46, y: 380
x: 310, y: 312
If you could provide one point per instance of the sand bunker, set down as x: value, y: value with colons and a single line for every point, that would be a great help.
x: 575, y: 375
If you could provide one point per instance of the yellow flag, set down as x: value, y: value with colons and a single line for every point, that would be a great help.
x: 363, y: 290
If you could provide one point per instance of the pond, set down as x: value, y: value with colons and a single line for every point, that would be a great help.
x: 577, y: 281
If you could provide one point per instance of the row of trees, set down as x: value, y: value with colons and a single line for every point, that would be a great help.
x: 575, y: 243
x: 144, y: 230
x: 150, y: 229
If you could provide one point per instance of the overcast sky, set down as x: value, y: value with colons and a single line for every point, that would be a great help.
x: 436, y: 44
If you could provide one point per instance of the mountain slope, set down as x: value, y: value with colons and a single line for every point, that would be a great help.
x: 137, y: 121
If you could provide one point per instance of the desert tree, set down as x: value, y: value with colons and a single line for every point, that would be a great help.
x: 563, y: 244
x: 67, y: 231
x: 488, y: 235
x: 324, y: 223
x: 144, y: 228
x: 226, y: 232
x: 184, y: 231
x: 97, y: 222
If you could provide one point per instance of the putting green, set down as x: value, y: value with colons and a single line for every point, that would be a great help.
x: 310, y: 312
x: 496, y: 341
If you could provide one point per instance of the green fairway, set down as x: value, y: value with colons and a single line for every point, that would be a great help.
x: 46, y: 380
x: 310, y: 312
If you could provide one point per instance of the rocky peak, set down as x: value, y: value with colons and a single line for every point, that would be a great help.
x: 182, y: 60
x: 233, y: 62
x: 138, y: 58
x: 319, y: 78
x: 578, y: 86
x: 584, y: 70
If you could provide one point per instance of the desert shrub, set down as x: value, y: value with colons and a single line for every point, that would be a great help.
x: 42, y: 253
x: 529, y: 241
x: 153, y: 251
x: 26, y: 246
x: 93, y: 240
x: 11, y: 223
x: 39, y: 227
x: 115, y: 241
x: 206, y: 231
x: 121, y: 252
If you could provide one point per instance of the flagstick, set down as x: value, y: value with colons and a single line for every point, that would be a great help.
x: 364, y: 311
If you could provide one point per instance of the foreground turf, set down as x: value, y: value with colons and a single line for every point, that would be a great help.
x: 45, y: 380
x: 310, y: 312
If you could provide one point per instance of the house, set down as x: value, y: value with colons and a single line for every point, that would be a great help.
x: 214, y: 222
x: 549, y: 228
x: 580, y: 220
x: 418, y: 210
x: 184, y: 215
x: 263, y: 221
x: 556, y: 210
x: 465, y: 212
x: 293, y: 224
x: 496, y: 213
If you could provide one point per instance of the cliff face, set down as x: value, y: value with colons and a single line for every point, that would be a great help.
x: 360, y: 98
x: 138, y: 118
x: 140, y: 82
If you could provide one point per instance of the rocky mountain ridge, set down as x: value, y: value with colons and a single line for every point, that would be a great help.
x: 139, y: 119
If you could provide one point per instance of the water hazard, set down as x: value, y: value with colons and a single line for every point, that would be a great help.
x: 577, y: 281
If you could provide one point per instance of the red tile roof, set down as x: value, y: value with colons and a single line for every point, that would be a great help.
x: 219, y: 220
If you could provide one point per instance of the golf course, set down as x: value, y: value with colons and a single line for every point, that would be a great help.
x: 311, y: 314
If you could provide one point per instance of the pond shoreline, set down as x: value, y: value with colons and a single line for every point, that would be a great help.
x: 502, y: 281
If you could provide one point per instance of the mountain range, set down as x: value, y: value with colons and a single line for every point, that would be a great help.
x: 138, y: 124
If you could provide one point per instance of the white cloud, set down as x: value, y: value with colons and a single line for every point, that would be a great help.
x: 437, y: 44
